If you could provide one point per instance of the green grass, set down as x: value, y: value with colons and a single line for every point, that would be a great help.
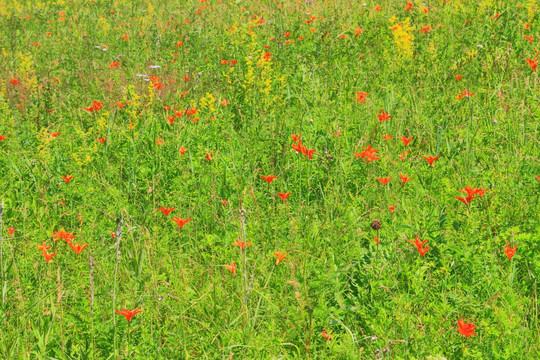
x: 374, y: 300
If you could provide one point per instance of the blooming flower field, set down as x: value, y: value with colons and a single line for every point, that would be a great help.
x: 269, y: 179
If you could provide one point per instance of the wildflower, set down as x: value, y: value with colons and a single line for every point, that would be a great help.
x: 166, y: 211
x: 128, y: 314
x: 405, y: 140
x: 529, y: 38
x: 67, y: 178
x: 358, y: 31
x: 209, y: 156
x: 3, y: 137
x: 464, y: 94
x: 267, y: 56
x: 224, y: 202
x: 532, y: 63
x: 102, y: 140
x: 426, y: 28
x: 186, y: 78
x: 284, y: 196
x: 170, y: 119
x: 43, y: 247
x: 404, y: 178
x: 377, y: 8
x: 466, y: 329
x: 384, y: 181
x: 383, y: 116
x: 325, y: 335
x: 77, y: 248
x: 224, y: 103
x: 241, y: 244
x: 343, y: 36
x: 295, y: 138
x: 181, y: 222
x: 408, y: 6
x: 47, y: 256
x: 466, y: 200
x: 159, y: 141
x: 280, y: 257
x: 14, y: 81
x: 419, y: 246
x: 269, y: 178
x: 231, y: 268
x: 182, y: 150
x: 55, y: 134
x: 403, y: 154
x: 114, y: 64
x: 376, y: 239
x: 510, y: 252
x: 113, y: 234
x: 368, y: 153
x: 361, y: 96
x: 392, y: 208
x: 458, y: 77
x: 431, y: 159
x: 11, y: 230
x: 387, y: 137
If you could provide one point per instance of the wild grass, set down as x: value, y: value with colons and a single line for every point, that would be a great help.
x: 238, y: 80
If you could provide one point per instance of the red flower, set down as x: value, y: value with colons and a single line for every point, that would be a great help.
x: 464, y: 94
x: 431, y: 159
x: 166, y: 211
x: 209, y: 156
x: 280, y: 257
x: 113, y: 235
x: 159, y: 141
x: 384, y: 181
x: 128, y: 313
x: 530, y: 38
x: 284, y: 196
x: 387, y: 137
x: 114, y: 64
x: 295, y: 138
x: 77, y: 248
x: 47, y: 256
x: 11, y: 230
x: 466, y: 200
x: 181, y: 222
x: 392, y: 208
x: 426, y: 28
x: 269, y: 178
x: 510, y: 252
x: 376, y: 239
x: 303, y: 149
x: 67, y: 178
x: 43, y: 247
x: 170, y: 119
x: 325, y: 335
x: 241, y: 244
x: 3, y: 137
x: 404, y: 178
x: 361, y: 96
x: 458, y: 77
x: 405, y: 140
x: 267, y: 56
x: 182, y: 150
x: 383, y: 116
x: 532, y: 63
x: 102, y: 140
x: 119, y: 104
x: 14, y: 81
x: 369, y: 154
x: 55, y: 134
x: 231, y: 268
x: 408, y: 6
x: 419, y: 246
x: 466, y: 329
x: 357, y: 32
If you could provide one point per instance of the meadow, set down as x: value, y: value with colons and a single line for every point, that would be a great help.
x: 269, y: 179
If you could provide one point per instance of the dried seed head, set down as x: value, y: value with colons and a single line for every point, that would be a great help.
x: 375, y: 224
